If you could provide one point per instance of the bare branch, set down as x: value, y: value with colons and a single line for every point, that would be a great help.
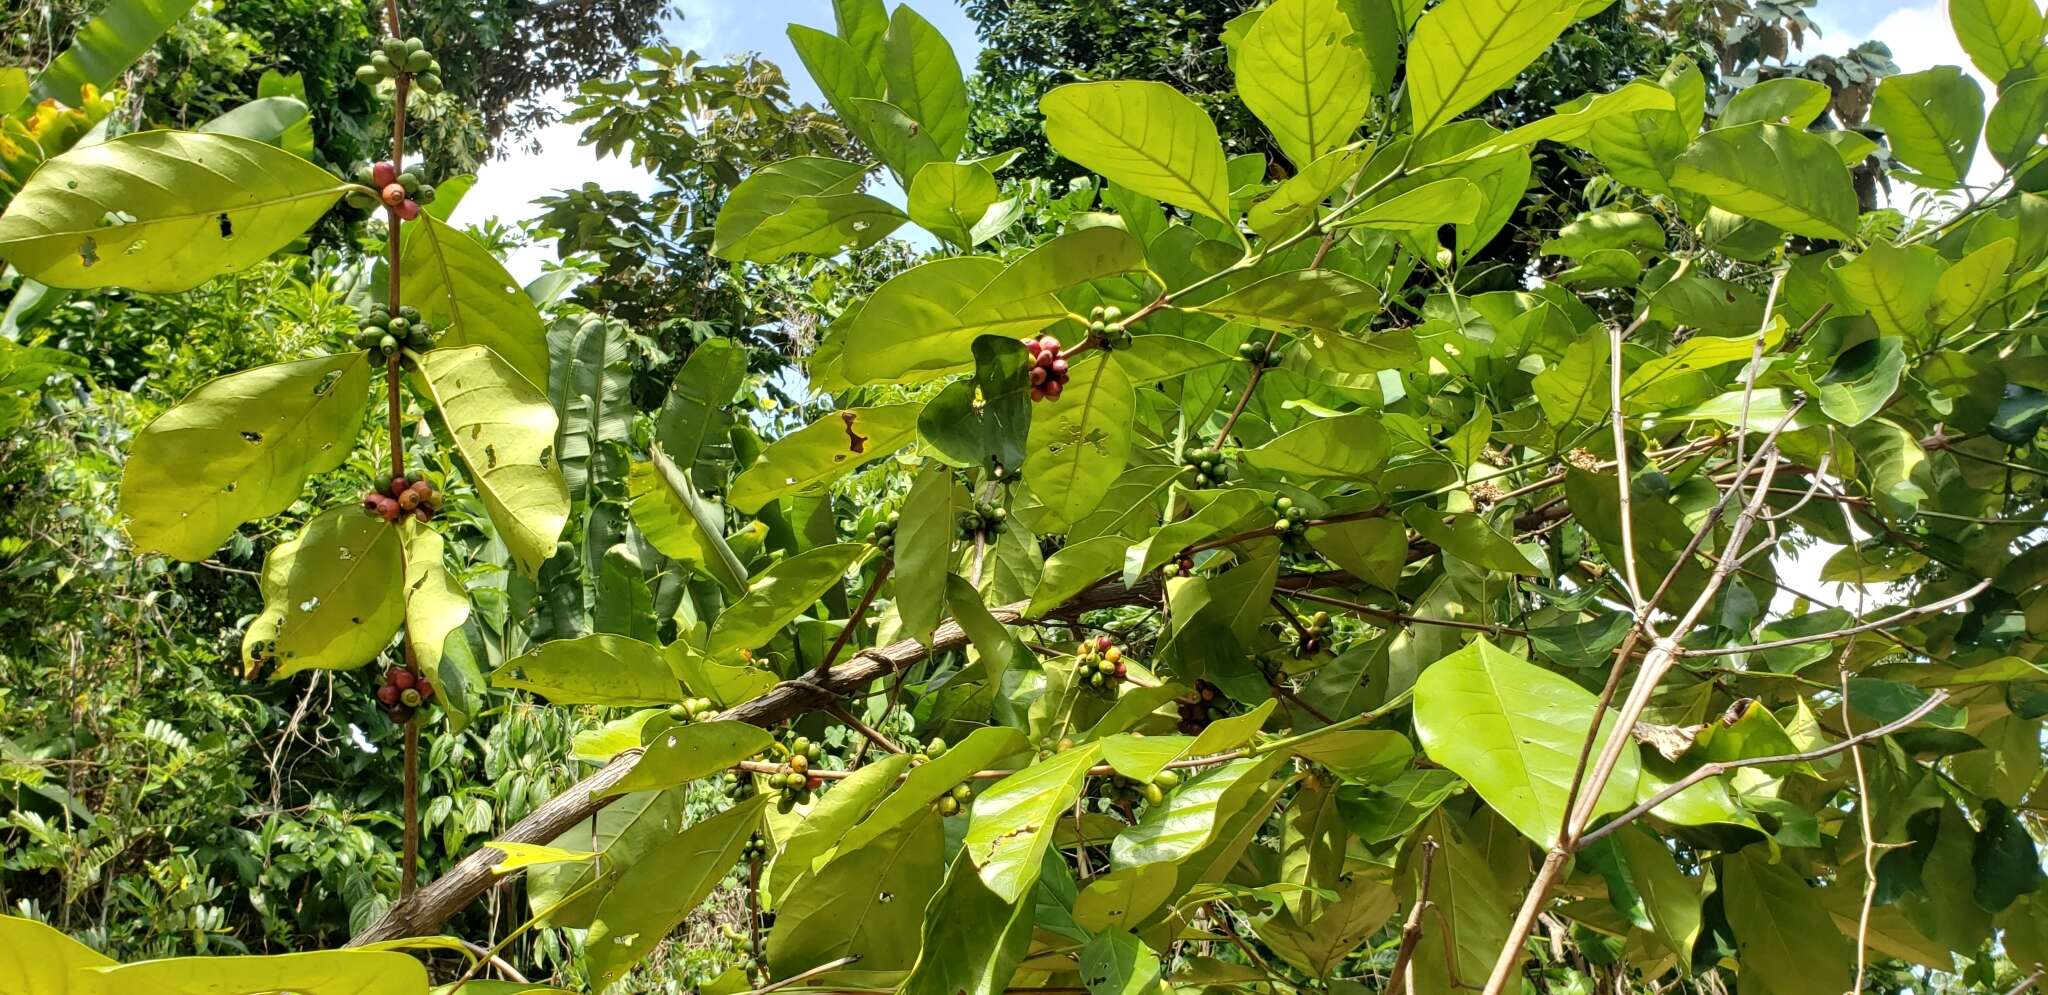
x: 1931, y: 608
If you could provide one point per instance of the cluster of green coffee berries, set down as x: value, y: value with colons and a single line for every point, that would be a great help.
x: 756, y: 849
x: 1289, y: 522
x: 884, y: 536
x: 742, y: 947
x: 402, y: 57
x: 1182, y: 566
x: 411, y: 494
x: 1315, y: 634
x: 401, y: 190
x: 985, y: 520
x: 1099, y: 321
x: 1101, y: 663
x: 1047, y: 746
x: 1048, y: 368
x: 404, y: 693
x: 390, y: 333
x: 796, y: 782
x: 1211, y: 470
x: 1257, y: 354
x: 1151, y: 792
x: 693, y: 710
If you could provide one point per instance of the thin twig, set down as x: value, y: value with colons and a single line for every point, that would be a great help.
x: 1716, y: 769
x: 1403, y: 618
x: 838, y: 710
x: 1931, y: 608
x: 853, y: 621
x: 1411, y: 928
x: 806, y: 975
x: 1863, y: 799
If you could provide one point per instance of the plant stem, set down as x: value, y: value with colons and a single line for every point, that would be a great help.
x: 408, y: 880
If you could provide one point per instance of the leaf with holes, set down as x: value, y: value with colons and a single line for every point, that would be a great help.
x: 330, y: 597
x: 504, y: 429
x: 161, y: 211
x: 457, y: 283
x: 823, y: 451
x: 237, y: 449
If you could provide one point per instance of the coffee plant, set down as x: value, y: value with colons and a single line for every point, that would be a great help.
x: 1216, y: 591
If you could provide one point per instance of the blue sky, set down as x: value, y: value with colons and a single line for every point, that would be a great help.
x: 1916, y: 30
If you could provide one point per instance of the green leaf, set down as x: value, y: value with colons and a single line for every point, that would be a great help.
x: 2013, y: 131
x: 1598, y: 230
x: 237, y: 449
x: 779, y: 595
x: 656, y: 892
x: 520, y: 856
x: 864, y: 25
x: 897, y: 137
x: 693, y: 422
x: 597, y: 669
x: 591, y: 379
x: 1136, y: 756
x: 285, y: 122
x: 984, y: 422
x: 842, y: 74
x: 1463, y: 50
x: 1013, y: 819
x: 1379, y: 814
x: 1455, y: 200
x: 772, y: 191
x: 1359, y: 756
x: 817, y: 837
x: 1575, y: 121
x: 1931, y: 119
x: 1300, y: 72
x: 927, y: 781
x: 1116, y: 962
x: 330, y: 596
x: 2000, y: 36
x: 1670, y: 898
x: 823, y: 451
x: 822, y: 225
x: 1079, y: 446
x: 101, y: 51
x: 504, y: 429
x: 973, y: 938
x: 161, y: 211
x: 1890, y: 463
x: 1193, y: 814
x: 1468, y: 537
x: 2005, y: 862
x: 958, y: 202
x: 321, y: 972
x: 1783, y: 934
x: 867, y: 903
x: 1514, y: 730
x: 679, y: 754
x: 924, y: 80
x: 567, y: 895
x: 1363, y: 903
x: 1145, y: 136
x: 1125, y: 898
x: 1076, y: 567
x: 1298, y: 199
x: 1775, y: 174
x: 928, y: 523
x: 680, y: 522
x: 1320, y: 299
x: 435, y: 605
x: 914, y: 325
x: 1788, y: 100
x: 1347, y: 446
x: 456, y: 282
x: 725, y: 684
x: 38, y: 960
x: 1894, y: 285
x: 1373, y: 550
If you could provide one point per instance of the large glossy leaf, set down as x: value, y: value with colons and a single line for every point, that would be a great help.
x: 678, y: 754
x: 1318, y: 945
x: 1464, y: 50
x: 1452, y: 201
x: 984, y: 422
x: 567, y: 895
x: 2000, y: 36
x: 1575, y: 122
x: 1471, y: 903
x: 1784, y: 176
x: 161, y: 211
x: 784, y: 591
x: 330, y: 597
x: 597, y: 669
x: 590, y: 377
x: 867, y: 903
x: 1193, y: 814
x: 285, y: 122
x: 38, y: 960
x: 926, y: 782
x: 1931, y: 119
x: 435, y: 605
x: 1116, y: 962
x: 823, y: 451
x: 924, y: 80
x: 1300, y: 71
x: 504, y: 429
x: 237, y: 449
x: 320, y: 972
x: 1321, y: 299
x: 1077, y: 448
x: 1514, y: 730
x: 682, y: 523
x: 2013, y: 129
x: 1783, y: 933
x: 457, y: 283
x: 973, y: 938
x: 771, y: 191
x: 1146, y: 136
x: 694, y: 420
x: 1787, y: 100
x: 957, y: 201
x: 101, y: 51
x: 819, y: 225
x: 1348, y: 447
x: 1013, y: 819
x: 655, y: 893
x: 924, y: 549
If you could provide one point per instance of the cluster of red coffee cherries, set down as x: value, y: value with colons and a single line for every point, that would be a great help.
x: 400, y: 190
x: 1194, y: 710
x: 1048, y: 368
x: 407, y: 495
x: 404, y: 693
x: 1102, y: 662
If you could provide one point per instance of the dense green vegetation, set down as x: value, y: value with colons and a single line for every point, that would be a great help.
x: 1227, y: 555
